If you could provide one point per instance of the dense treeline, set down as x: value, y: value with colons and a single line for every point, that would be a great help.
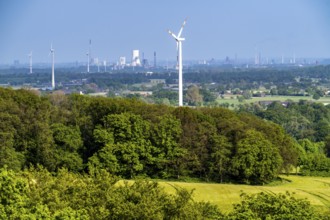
x: 37, y: 194
x: 129, y: 138
x: 62, y: 156
x: 309, y: 124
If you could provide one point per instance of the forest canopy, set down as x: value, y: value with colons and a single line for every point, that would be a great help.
x: 129, y: 138
x: 62, y: 157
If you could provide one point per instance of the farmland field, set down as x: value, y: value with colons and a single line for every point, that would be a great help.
x: 232, y: 99
x: 315, y: 189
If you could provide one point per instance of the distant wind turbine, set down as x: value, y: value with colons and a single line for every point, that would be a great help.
x: 87, y: 62
x: 179, y: 40
x: 105, y: 65
x: 30, y: 58
x: 98, y: 65
x: 52, y: 51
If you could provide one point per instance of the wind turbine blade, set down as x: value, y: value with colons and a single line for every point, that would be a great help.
x: 51, y: 50
x: 173, y: 35
x: 181, y: 29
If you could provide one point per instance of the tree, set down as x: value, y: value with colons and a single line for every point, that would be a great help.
x: 8, y: 156
x: 130, y: 158
x: 166, y: 138
x: 273, y: 91
x: 271, y: 206
x: 309, y: 146
x: 38, y: 194
x: 13, y: 195
x: 322, y: 129
x: 327, y: 146
x: 124, y: 143
x: 221, y: 150
x: 127, y: 127
x: 247, y: 94
x: 316, y: 164
x: 207, y: 95
x: 193, y: 96
x: 255, y: 160
x: 105, y: 158
x: 197, y: 131
x: 240, y: 98
x: 60, y: 107
x: 42, y: 148
x: 68, y: 143
x: 318, y: 94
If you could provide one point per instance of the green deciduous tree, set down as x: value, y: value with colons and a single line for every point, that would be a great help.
x: 255, y: 160
x: 166, y: 138
x: 193, y: 96
x: 327, y: 146
x: 124, y: 145
x: 9, y: 156
x: 68, y: 143
x: 272, y: 206
x: 221, y: 150
x: 13, y: 195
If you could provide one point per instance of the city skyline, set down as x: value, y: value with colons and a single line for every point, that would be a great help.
x: 217, y: 29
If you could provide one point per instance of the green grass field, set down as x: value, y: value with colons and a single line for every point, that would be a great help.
x: 315, y: 189
x: 231, y: 99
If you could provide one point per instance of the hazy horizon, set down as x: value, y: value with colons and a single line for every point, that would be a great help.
x: 214, y: 29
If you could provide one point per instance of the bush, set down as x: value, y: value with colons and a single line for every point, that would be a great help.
x: 273, y: 206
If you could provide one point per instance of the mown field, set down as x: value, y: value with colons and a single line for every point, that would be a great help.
x: 232, y: 99
x: 315, y: 189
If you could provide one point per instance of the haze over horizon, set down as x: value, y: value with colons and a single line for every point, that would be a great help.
x: 215, y: 29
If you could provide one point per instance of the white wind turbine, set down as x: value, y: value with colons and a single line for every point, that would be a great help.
x: 52, y: 51
x: 30, y: 58
x: 87, y: 62
x: 179, y: 40
x: 98, y: 65
x: 105, y: 65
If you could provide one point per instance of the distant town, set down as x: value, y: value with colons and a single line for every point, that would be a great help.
x: 226, y: 82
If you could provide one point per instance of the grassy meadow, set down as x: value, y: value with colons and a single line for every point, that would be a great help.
x: 315, y: 189
x: 232, y: 99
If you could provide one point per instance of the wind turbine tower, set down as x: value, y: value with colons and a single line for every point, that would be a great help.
x: 105, y: 65
x: 87, y: 62
x: 89, y: 59
x: 90, y: 51
x: 30, y: 58
x: 155, y: 60
x: 179, y: 40
x: 52, y: 51
x: 98, y: 65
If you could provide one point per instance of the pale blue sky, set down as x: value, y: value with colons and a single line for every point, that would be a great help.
x: 215, y: 28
